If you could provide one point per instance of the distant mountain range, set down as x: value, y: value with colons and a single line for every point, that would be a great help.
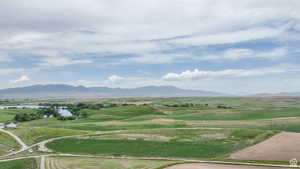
x: 68, y: 91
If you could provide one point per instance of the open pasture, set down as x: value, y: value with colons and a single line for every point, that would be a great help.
x: 188, y: 143
x: 201, y: 128
x: 7, y: 115
x: 96, y: 163
x: 7, y: 144
x: 19, y: 164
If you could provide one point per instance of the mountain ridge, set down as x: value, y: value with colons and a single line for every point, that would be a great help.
x: 69, y: 91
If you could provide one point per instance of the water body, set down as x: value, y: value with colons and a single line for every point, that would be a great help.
x: 63, y: 111
x: 23, y: 107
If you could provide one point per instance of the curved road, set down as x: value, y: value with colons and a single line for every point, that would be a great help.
x: 20, y: 141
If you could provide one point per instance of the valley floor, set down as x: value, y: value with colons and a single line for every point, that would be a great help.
x: 164, y: 133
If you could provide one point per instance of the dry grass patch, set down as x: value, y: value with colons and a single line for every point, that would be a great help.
x: 146, y: 136
x: 100, y: 163
x: 216, y: 166
x: 214, y: 136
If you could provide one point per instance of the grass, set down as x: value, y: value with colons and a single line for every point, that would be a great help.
x: 7, y: 143
x: 19, y: 164
x: 285, y: 124
x: 92, y: 127
x: 119, y: 113
x: 7, y: 115
x: 153, y: 130
x: 201, y: 148
x: 87, y: 163
x: 37, y: 134
x: 141, y: 148
x: 244, y: 114
x: 236, y: 114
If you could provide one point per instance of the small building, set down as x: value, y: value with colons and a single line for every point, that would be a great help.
x: 10, y: 125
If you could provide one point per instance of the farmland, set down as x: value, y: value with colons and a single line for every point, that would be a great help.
x: 189, y: 143
x: 188, y: 128
x: 19, y: 164
x: 8, y: 114
x: 7, y: 143
x: 88, y: 163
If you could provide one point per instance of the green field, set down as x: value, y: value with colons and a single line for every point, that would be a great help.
x: 7, y: 143
x: 37, y: 134
x: 191, y: 143
x: 166, y: 127
x: 19, y: 164
x: 89, y: 163
x: 7, y: 115
x: 243, y: 113
x: 120, y: 113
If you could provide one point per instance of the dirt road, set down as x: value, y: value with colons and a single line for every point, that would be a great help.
x: 24, y: 146
x: 42, y: 164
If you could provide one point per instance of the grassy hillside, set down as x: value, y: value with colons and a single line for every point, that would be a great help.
x: 88, y: 163
x: 120, y: 113
x: 7, y: 115
x: 191, y: 143
x: 241, y: 113
x: 19, y: 164
x: 166, y: 127
x: 7, y: 143
x: 37, y: 134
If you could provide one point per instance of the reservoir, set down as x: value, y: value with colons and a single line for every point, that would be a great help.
x: 63, y: 111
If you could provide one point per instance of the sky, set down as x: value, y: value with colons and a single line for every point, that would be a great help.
x: 231, y: 46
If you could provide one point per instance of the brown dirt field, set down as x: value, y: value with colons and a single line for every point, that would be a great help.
x: 273, y: 99
x: 147, y: 136
x: 281, y: 147
x: 215, y: 166
x: 133, y: 103
x: 215, y: 136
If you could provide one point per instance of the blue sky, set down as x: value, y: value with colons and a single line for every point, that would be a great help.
x: 231, y: 46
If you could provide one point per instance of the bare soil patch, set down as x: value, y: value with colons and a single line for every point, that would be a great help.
x: 273, y: 99
x: 214, y: 136
x: 147, y: 136
x: 215, y: 166
x: 133, y: 103
x: 281, y: 147
x: 162, y: 120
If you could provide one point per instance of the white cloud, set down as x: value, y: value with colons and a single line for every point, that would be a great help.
x: 230, y: 37
x: 104, y: 27
x: 62, y: 61
x: 108, y: 32
x: 22, y: 79
x: 155, y: 58
x: 10, y: 71
x: 115, y: 79
x: 243, y: 53
x: 201, y: 74
x: 4, y: 57
x: 55, y: 58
